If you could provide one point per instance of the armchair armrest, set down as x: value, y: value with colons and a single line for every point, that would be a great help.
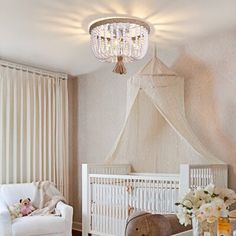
x: 5, y: 220
x: 67, y: 213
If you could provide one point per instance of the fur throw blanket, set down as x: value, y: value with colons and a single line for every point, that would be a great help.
x: 46, y: 197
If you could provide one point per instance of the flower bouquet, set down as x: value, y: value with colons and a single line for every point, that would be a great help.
x: 203, y: 206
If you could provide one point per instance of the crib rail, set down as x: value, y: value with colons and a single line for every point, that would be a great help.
x: 193, y: 176
x: 114, y: 197
x: 107, y: 169
x: 204, y: 175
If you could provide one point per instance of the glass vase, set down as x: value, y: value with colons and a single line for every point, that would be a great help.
x: 204, y: 228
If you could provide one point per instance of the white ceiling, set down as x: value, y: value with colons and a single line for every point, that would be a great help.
x: 54, y: 33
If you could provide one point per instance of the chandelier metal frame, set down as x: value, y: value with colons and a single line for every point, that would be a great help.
x: 119, y: 20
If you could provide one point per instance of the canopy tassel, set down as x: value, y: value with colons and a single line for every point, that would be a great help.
x: 120, y: 66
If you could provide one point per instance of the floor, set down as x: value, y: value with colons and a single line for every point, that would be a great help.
x: 76, y: 233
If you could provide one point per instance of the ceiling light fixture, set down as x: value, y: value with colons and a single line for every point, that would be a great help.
x: 119, y: 40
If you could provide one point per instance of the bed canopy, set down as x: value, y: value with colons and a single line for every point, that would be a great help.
x: 155, y: 126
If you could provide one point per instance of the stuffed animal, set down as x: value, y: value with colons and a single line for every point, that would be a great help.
x: 26, y: 206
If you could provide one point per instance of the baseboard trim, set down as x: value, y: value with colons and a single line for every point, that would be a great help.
x: 77, y: 226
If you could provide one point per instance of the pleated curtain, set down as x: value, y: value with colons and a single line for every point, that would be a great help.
x: 33, y: 126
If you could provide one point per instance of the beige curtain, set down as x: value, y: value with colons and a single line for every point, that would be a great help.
x: 156, y: 131
x: 33, y: 126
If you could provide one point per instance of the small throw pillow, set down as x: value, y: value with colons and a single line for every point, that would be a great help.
x: 15, y: 211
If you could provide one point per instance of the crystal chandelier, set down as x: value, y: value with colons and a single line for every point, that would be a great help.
x: 119, y: 40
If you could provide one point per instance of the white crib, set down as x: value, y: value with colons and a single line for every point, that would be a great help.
x: 112, y: 192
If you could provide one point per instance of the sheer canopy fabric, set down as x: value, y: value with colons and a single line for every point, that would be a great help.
x: 156, y: 134
x: 33, y: 127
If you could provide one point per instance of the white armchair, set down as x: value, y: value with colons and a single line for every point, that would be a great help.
x: 32, y: 225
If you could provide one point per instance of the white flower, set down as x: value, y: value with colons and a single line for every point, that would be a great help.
x: 183, y: 215
x: 188, y: 203
x: 204, y: 204
x: 184, y: 219
x: 228, y: 195
x: 200, y: 198
x: 206, y: 212
x: 210, y: 188
x: 200, y: 194
x: 211, y: 211
x: 206, y: 209
x: 218, y: 206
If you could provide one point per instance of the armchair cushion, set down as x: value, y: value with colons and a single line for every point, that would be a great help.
x: 12, y: 193
x: 38, y: 225
x: 5, y: 219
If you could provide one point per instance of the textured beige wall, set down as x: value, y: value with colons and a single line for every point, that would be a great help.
x: 208, y: 66
x: 210, y: 88
x: 73, y: 102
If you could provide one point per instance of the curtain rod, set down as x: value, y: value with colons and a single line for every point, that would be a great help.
x: 33, y: 70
